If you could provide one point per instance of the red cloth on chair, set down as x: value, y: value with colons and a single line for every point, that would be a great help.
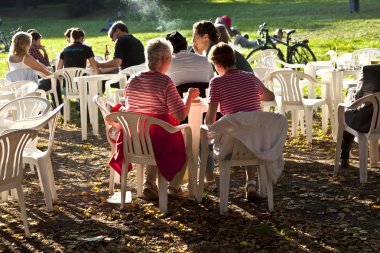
x: 169, y: 149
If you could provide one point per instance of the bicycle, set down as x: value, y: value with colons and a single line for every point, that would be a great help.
x: 296, y: 51
x: 6, y: 40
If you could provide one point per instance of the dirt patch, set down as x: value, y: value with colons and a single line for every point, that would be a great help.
x: 315, y: 210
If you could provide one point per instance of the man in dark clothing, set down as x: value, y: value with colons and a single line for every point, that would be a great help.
x: 360, y: 119
x: 129, y: 51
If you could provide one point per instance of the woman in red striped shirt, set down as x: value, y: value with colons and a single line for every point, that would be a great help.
x: 153, y: 93
x: 235, y: 91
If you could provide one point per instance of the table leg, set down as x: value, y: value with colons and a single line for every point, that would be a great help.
x: 93, y: 109
x: 82, y: 85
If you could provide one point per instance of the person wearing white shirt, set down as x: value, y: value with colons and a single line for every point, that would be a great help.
x: 187, y: 67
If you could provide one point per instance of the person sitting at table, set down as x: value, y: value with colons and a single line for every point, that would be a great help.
x: 129, y: 51
x: 187, y: 67
x: 153, y: 93
x: 75, y: 55
x: 36, y: 48
x: 234, y: 91
x: 205, y: 36
x: 360, y: 119
x: 19, y: 58
x: 241, y: 62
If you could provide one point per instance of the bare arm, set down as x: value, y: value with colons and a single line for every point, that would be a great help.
x: 113, y: 63
x: 193, y: 93
x: 211, y: 113
x: 267, y: 94
x: 32, y: 63
x: 60, y: 64
x: 94, y: 65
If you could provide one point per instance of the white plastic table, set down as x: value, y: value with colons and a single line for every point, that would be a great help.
x: 94, y: 86
x: 195, y: 122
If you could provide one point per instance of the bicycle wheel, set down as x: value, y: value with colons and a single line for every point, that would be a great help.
x: 280, y: 54
x: 301, y: 54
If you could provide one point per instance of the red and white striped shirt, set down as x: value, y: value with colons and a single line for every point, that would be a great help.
x: 152, y: 92
x: 236, y: 91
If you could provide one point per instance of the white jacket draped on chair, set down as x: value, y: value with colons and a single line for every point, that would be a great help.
x: 263, y: 133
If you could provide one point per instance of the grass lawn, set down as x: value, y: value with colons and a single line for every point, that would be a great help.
x: 328, y: 24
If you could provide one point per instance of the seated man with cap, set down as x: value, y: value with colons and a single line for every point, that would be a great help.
x: 188, y: 69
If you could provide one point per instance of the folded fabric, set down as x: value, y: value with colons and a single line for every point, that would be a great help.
x: 169, y: 149
x: 262, y: 133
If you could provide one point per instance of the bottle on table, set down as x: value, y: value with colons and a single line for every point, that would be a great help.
x: 107, y: 53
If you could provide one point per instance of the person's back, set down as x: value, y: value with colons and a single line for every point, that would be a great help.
x: 130, y: 50
x: 76, y: 55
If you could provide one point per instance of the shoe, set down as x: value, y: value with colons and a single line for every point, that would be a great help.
x: 177, y: 192
x: 344, y: 163
x: 250, y: 191
x: 150, y: 191
x: 210, y: 186
x: 246, y: 36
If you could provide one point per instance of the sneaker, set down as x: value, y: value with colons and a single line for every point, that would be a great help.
x: 150, y: 191
x: 210, y: 186
x: 250, y: 191
x: 344, y: 163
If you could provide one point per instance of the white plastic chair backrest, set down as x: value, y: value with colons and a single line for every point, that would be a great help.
x: 21, y: 75
x: 137, y: 142
x: 104, y: 105
x: 133, y: 69
x: 365, y: 55
x: 12, y: 145
x: 68, y: 74
x: 261, y: 72
x: 289, y: 81
x: 13, y: 86
x: 4, y: 82
x: 24, y: 108
x: 259, y: 57
x: 37, y: 93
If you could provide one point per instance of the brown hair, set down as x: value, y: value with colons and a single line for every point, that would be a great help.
x: 68, y: 32
x: 223, y: 55
x: 77, y: 33
x: 21, y: 42
x: 207, y: 27
x: 223, y: 33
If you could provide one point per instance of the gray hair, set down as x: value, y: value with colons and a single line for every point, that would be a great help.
x: 155, y: 49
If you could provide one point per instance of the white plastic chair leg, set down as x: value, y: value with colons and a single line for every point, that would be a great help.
x: 270, y: 194
x: 111, y: 185
x: 262, y: 176
x: 140, y: 179
x: 24, y: 216
x: 203, y: 163
x: 373, y: 152
x: 45, y: 186
x: 338, y: 149
x: 224, y: 186
x: 53, y: 188
x: 124, y: 174
x: 363, y: 157
x: 309, y: 124
x: 294, y: 123
x: 162, y: 193
x: 192, y: 171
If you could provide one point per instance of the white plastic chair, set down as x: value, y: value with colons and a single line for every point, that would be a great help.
x: 23, y: 108
x: 128, y: 72
x: 20, y: 88
x: 258, y: 58
x: 365, y: 56
x: 138, y: 149
x: 292, y: 98
x: 11, y: 166
x: 234, y: 152
x: 372, y: 136
x: 42, y: 159
x: 66, y: 76
x: 4, y: 82
x: 273, y: 62
x: 105, y: 105
x: 99, y: 57
x: 262, y: 73
x: 22, y: 75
